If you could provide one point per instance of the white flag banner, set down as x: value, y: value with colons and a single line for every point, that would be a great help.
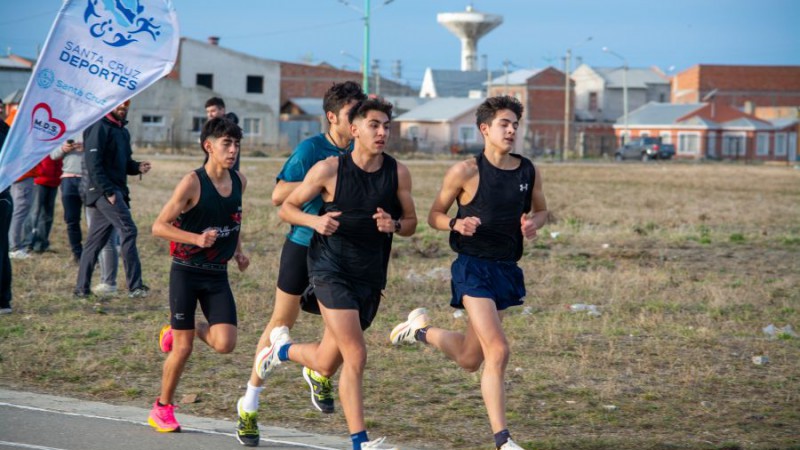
x: 99, y: 53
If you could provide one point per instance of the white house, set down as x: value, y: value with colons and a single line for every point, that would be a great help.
x: 442, y: 125
x: 172, y: 111
x: 599, y: 91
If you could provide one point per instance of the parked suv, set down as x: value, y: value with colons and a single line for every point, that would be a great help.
x: 645, y: 149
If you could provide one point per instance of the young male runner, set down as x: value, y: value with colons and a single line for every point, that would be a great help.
x: 367, y: 198
x: 293, y: 272
x: 495, y: 192
x: 202, y: 221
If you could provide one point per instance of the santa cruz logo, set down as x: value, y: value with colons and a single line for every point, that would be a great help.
x: 119, y: 22
x: 45, y: 78
x: 48, y: 128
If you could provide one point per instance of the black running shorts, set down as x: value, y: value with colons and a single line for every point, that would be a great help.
x: 337, y: 293
x: 189, y: 286
x: 293, y: 271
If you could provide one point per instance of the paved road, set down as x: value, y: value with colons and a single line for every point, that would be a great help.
x: 46, y: 422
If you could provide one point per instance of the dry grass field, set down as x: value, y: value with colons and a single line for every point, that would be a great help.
x: 687, y: 264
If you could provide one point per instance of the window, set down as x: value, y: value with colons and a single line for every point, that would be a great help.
x: 733, y: 144
x: 780, y: 144
x: 592, y: 101
x: 252, y: 127
x: 466, y: 133
x: 413, y: 132
x: 762, y: 144
x: 205, y: 79
x: 688, y: 143
x: 148, y: 120
x: 255, y: 84
x: 666, y: 137
x: 197, y: 124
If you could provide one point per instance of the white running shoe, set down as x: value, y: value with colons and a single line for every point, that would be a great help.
x: 19, y: 254
x: 104, y: 289
x: 267, y: 358
x: 404, y: 332
x: 377, y: 444
x: 510, y: 445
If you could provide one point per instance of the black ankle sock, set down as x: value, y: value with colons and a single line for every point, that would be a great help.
x: 501, y: 437
x: 422, y: 335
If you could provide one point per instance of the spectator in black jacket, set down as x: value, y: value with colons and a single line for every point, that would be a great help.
x: 108, y: 162
x: 6, y: 208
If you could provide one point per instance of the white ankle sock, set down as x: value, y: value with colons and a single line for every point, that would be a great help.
x: 250, y: 401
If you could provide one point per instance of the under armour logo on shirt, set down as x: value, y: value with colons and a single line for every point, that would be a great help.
x: 523, y: 187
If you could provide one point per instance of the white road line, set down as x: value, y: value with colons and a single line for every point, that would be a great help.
x: 115, y: 419
x: 34, y: 447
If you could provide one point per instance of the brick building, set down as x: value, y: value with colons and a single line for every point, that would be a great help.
x: 311, y: 81
x: 745, y: 87
x: 541, y: 91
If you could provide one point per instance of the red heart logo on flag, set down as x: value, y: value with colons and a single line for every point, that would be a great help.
x: 46, y: 124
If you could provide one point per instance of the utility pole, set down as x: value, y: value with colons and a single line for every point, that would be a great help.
x: 506, y: 63
x: 365, y: 59
x: 567, y: 118
x: 377, y: 70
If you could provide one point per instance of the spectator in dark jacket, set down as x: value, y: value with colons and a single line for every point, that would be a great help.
x: 108, y: 160
x: 6, y: 208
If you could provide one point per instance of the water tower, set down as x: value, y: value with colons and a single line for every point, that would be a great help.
x: 469, y: 26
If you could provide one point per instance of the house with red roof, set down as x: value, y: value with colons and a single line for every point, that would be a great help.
x: 712, y: 130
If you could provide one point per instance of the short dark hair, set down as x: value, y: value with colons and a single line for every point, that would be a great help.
x: 217, y: 128
x: 215, y: 101
x: 488, y: 109
x: 361, y: 108
x: 340, y: 94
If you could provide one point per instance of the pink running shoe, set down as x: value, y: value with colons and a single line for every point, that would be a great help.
x: 165, y: 339
x: 162, y: 418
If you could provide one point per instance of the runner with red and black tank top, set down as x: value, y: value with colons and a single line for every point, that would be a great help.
x: 366, y: 196
x: 202, y: 220
x: 500, y: 203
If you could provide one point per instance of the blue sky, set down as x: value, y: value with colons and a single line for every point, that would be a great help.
x: 535, y: 33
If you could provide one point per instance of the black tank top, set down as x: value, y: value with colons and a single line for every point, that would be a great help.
x: 502, y: 197
x: 212, y: 211
x: 357, y: 251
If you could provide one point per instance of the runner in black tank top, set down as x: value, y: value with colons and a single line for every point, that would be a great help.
x: 367, y: 196
x: 212, y: 212
x: 496, y: 193
x: 357, y: 251
x: 202, y: 221
x: 503, y: 196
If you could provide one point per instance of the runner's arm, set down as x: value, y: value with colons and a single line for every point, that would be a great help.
x: 408, y: 220
x: 184, y: 198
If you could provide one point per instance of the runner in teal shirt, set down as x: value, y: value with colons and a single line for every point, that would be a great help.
x: 308, y: 153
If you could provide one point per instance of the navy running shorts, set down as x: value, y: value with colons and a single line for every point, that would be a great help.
x: 293, y: 271
x: 189, y: 286
x: 501, y: 281
x: 338, y: 293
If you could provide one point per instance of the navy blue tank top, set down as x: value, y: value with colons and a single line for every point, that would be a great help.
x: 212, y: 211
x: 357, y: 251
x: 501, y: 199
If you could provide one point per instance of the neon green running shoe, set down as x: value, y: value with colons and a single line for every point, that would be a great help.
x: 247, y: 426
x: 321, y: 390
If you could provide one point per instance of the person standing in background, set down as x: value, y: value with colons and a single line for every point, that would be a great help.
x: 6, y: 208
x: 40, y: 219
